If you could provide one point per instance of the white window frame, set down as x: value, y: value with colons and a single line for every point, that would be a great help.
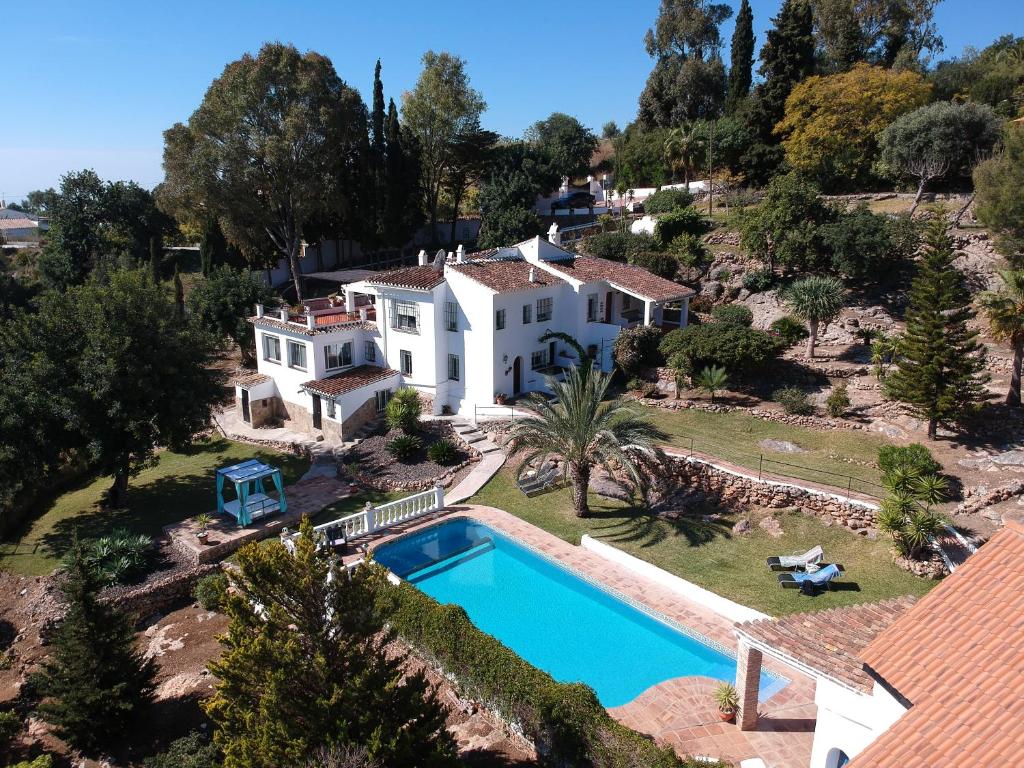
x: 381, y: 397
x: 499, y: 320
x: 451, y: 316
x: 267, y: 340
x: 370, y: 351
x: 527, y: 314
x: 403, y: 356
x: 545, y: 308
x: 405, y: 316
x: 538, y: 359
x: 293, y: 347
x: 454, y: 366
x: 339, y: 356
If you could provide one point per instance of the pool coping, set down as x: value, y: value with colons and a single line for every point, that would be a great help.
x: 779, y: 681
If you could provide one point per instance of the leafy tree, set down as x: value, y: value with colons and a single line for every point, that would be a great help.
x: 617, y: 246
x: 817, y: 300
x: 993, y: 76
x: 681, y: 221
x: 94, y: 681
x: 897, y: 32
x: 712, y: 379
x: 584, y: 429
x: 640, y: 158
x: 440, y: 110
x: 223, y: 300
x: 567, y: 144
x: 741, y: 60
x: 1004, y: 310
x: 637, y: 347
x: 736, y: 348
x: 517, y: 174
x: 658, y: 263
x: 832, y: 123
x: 278, y: 145
x: 469, y: 161
x: 785, y: 230
x: 939, y: 373
x: 610, y: 130
x: 40, y: 201
x: 936, y: 141
x: 665, y: 200
x: 841, y: 42
x: 401, y: 215
x: 998, y: 182
x: 192, y: 751
x: 306, y: 666
x: 863, y: 244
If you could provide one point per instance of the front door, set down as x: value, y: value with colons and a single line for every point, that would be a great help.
x: 517, y: 376
x: 317, y: 418
x: 608, y: 307
x: 246, y: 417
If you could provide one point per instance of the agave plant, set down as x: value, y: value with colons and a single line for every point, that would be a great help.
x: 906, y: 512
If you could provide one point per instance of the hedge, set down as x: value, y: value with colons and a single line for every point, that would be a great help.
x: 565, y: 720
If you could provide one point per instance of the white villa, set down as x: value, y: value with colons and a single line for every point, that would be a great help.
x: 461, y: 329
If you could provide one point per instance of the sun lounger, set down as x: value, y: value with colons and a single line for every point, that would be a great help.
x: 809, y: 582
x: 811, y: 556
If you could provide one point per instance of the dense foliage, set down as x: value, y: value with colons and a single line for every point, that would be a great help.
x: 222, y: 302
x: 665, y: 200
x: 737, y: 348
x: 403, y: 410
x: 999, y: 181
x: 637, y: 347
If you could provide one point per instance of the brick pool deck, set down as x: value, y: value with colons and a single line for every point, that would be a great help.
x: 679, y: 712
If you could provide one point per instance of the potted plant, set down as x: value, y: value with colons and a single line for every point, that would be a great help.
x: 204, y: 521
x: 501, y: 398
x: 727, y: 700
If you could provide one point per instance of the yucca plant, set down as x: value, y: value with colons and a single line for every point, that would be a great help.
x: 403, y: 410
x: 404, y: 446
x: 583, y: 429
x: 906, y: 512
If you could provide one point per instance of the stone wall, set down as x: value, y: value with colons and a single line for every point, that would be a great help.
x: 362, y: 416
x: 726, y: 488
x: 161, y: 594
x: 261, y: 409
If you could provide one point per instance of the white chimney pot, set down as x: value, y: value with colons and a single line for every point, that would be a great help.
x: 422, y: 258
x: 259, y: 310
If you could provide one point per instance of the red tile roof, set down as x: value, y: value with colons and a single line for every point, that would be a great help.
x: 249, y: 378
x: 829, y: 641
x: 506, y: 275
x: 349, y: 380
x: 18, y: 223
x: 341, y: 321
x: 633, y: 279
x: 418, y: 278
x: 958, y: 657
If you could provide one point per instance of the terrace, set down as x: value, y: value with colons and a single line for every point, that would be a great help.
x: 321, y: 314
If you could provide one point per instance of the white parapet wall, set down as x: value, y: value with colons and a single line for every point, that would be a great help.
x: 717, y: 603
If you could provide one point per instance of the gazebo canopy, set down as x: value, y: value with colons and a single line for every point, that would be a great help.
x: 247, y: 478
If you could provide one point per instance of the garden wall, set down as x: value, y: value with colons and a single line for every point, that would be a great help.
x: 160, y: 594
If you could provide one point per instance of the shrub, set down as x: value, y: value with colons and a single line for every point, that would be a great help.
x: 789, y: 330
x: 118, y: 558
x: 659, y: 263
x: 43, y: 761
x: 566, y: 717
x: 403, y: 410
x: 443, y: 452
x: 838, y: 401
x: 733, y: 314
x: 635, y: 384
x: 192, y: 751
x: 758, y: 280
x: 689, y: 250
x: 665, y: 200
x: 683, y: 221
x: 212, y: 590
x: 617, y: 246
x: 738, y: 349
x: 793, y: 401
x: 10, y: 727
x: 637, y: 347
x: 404, y: 446
x: 914, y: 458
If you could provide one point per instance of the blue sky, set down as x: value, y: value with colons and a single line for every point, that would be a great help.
x: 94, y: 84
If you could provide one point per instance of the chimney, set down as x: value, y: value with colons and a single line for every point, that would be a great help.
x: 363, y: 313
x: 422, y: 258
x: 457, y: 256
x: 259, y: 310
x: 460, y: 253
x: 533, y: 274
x: 284, y: 313
x: 554, y: 236
x: 310, y: 320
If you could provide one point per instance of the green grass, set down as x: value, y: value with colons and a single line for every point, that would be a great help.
x: 830, y: 456
x: 706, y: 552
x: 180, y: 485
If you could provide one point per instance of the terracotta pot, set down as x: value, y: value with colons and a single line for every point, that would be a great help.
x: 727, y: 717
x: 203, y: 536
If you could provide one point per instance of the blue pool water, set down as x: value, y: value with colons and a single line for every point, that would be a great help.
x: 554, y: 619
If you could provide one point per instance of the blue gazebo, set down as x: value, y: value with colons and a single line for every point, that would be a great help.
x: 251, y: 500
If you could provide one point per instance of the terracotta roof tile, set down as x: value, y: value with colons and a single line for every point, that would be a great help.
x: 958, y: 657
x: 321, y: 327
x: 349, y: 380
x: 249, y: 378
x: 830, y: 641
x: 506, y: 275
x: 632, y: 278
x: 418, y: 278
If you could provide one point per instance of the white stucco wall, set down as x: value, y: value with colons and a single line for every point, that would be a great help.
x: 428, y: 347
x: 849, y: 721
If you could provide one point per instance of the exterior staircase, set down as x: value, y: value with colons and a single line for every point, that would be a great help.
x: 473, y: 436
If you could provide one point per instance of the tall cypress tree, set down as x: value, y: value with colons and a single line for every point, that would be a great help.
x: 377, y: 117
x: 95, y: 680
x: 742, y: 58
x: 401, y: 173
x: 786, y: 58
x: 940, y: 373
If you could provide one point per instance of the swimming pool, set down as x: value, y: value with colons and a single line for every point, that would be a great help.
x: 556, y: 620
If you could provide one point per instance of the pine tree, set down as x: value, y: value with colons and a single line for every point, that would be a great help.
x: 742, y: 58
x: 305, y: 666
x: 940, y: 372
x: 94, y: 681
x: 786, y: 58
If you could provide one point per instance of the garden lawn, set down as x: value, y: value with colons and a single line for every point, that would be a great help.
x: 830, y: 457
x: 708, y: 554
x: 180, y: 485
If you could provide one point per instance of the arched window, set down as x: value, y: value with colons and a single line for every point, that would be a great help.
x: 836, y: 758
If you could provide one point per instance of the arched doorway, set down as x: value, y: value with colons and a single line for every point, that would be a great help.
x: 517, y: 376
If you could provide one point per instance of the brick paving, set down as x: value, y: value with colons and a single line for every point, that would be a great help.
x: 679, y: 712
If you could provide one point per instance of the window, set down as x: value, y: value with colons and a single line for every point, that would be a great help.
x: 330, y: 408
x: 338, y: 355
x: 451, y: 316
x: 406, y: 357
x: 527, y: 313
x: 405, y: 316
x: 297, y: 355
x: 370, y: 352
x: 499, y: 320
x: 453, y: 367
x: 381, y: 397
x: 544, y: 309
x: 626, y: 302
x: 271, y: 348
x: 591, y: 307
x: 539, y: 359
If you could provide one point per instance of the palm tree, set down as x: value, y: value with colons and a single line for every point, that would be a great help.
x: 583, y: 429
x: 1005, y: 312
x: 712, y: 379
x: 816, y: 300
x: 683, y: 150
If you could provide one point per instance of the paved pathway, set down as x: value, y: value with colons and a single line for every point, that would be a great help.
x: 482, y: 471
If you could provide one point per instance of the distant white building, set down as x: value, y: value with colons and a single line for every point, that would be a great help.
x: 461, y: 330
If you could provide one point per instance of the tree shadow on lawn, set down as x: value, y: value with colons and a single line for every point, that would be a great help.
x: 648, y: 528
